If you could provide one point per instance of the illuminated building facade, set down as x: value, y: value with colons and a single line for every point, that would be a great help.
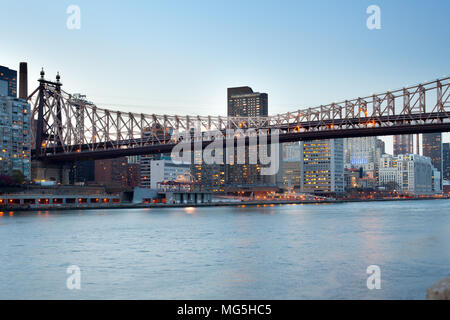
x: 322, y: 166
x: 243, y: 102
x: 15, y: 136
x: 403, y: 144
x: 210, y: 176
x: 8, y: 82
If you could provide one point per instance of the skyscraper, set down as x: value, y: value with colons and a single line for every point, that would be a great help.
x: 8, y: 82
x: 288, y: 177
x: 432, y: 148
x: 403, y: 144
x: 446, y: 161
x: 322, y: 166
x: 361, y: 153
x: 243, y: 102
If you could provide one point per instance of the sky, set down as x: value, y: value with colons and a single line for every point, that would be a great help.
x: 179, y: 57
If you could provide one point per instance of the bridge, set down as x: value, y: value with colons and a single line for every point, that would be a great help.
x: 69, y: 128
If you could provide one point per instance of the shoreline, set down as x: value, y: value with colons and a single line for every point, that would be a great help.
x: 211, y: 204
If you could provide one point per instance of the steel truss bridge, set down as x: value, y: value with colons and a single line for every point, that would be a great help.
x: 68, y: 128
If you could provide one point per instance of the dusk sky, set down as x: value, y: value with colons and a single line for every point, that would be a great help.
x: 170, y: 57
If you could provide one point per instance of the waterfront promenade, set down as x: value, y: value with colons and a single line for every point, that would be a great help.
x: 254, y: 203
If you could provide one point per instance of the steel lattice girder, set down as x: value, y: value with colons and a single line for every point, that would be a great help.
x: 71, y: 125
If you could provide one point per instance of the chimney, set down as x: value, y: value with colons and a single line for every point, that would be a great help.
x: 23, y: 81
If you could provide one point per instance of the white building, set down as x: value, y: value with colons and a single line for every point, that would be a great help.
x: 322, y: 166
x: 15, y: 136
x: 166, y: 170
x: 411, y: 173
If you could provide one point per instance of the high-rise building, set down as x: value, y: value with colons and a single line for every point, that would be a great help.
x: 381, y: 148
x: 362, y: 153
x: 15, y: 136
x: 432, y: 148
x: 8, y: 82
x: 446, y: 161
x: 411, y: 173
x: 322, y: 166
x: 403, y: 144
x: 243, y: 102
x: 288, y: 177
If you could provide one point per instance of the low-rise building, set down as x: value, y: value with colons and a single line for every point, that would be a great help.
x: 167, y: 170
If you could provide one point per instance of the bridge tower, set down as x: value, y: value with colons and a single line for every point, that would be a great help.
x: 48, y: 128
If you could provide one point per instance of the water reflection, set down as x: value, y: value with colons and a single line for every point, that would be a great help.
x: 189, y: 210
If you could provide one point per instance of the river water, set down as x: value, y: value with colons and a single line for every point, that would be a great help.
x: 272, y: 252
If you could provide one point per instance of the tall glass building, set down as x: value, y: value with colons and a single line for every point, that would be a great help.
x: 432, y: 148
x: 322, y: 166
x: 8, y: 82
x: 403, y: 144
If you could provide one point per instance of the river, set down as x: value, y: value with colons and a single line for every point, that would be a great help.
x: 272, y: 252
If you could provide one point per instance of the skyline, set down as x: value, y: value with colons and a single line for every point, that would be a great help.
x: 175, y: 58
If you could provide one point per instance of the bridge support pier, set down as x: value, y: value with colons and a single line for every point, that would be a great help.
x: 50, y: 172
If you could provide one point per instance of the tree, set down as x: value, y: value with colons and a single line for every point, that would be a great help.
x: 18, y: 177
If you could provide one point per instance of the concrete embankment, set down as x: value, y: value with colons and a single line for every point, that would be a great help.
x: 16, y: 208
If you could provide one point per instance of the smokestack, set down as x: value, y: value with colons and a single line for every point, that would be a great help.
x: 23, y: 81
